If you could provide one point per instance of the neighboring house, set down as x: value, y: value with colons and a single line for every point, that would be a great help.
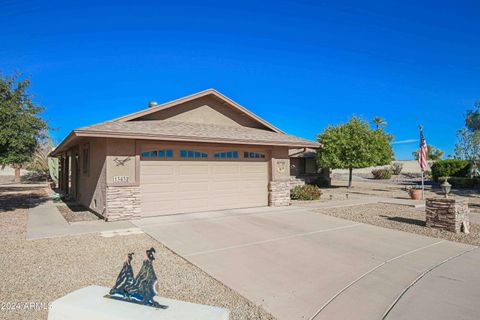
x: 197, y: 153
x: 304, y: 169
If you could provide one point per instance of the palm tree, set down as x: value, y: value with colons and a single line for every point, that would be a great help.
x: 379, y: 122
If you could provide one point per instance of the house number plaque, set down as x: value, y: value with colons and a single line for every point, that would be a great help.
x: 120, y: 178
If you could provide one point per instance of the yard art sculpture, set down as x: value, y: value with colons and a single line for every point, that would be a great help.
x: 140, y: 289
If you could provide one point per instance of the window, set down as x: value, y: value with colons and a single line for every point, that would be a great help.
x: 252, y: 155
x: 191, y: 154
x: 226, y: 155
x: 86, y: 159
x: 164, y: 153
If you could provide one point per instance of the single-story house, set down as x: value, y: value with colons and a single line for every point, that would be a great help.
x: 197, y: 153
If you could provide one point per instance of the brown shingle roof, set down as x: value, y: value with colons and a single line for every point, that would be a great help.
x: 183, y: 131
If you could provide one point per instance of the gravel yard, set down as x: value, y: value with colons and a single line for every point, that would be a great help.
x: 76, y: 213
x: 44, y: 270
x: 400, y: 218
x: 366, y: 188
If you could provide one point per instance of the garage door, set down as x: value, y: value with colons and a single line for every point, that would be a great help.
x: 169, y: 187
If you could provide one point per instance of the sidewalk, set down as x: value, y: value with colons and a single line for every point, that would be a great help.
x: 45, y: 221
x: 359, y: 200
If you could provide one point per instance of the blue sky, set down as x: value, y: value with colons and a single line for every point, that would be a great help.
x: 301, y: 65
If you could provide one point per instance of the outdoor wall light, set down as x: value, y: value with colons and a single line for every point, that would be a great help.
x: 446, y: 187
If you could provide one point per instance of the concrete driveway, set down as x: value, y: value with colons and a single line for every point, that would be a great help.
x: 299, y: 264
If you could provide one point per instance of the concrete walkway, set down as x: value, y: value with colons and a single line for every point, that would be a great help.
x: 450, y: 291
x: 302, y: 265
x: 45, y: 221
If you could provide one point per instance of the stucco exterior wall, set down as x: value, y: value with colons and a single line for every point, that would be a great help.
x: 122, y: 179
x: 205, y: 110
x: 279, y: 186
x: 92, y: 185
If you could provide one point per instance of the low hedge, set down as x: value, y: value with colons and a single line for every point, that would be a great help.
x: 306, y: 192
x: 462, y: 182
x: 322, y: 182
x: 396, y: 168
x: 382, y: 173
x: 449, y: 168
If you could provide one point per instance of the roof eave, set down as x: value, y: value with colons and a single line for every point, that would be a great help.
x: 64, y: 144
x: 107, y: 134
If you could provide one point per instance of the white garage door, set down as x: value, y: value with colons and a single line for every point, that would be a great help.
x: 169, y: 187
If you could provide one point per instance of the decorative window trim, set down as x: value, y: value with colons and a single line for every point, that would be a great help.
x: 226, y: 155
x: 192, y: 154
x: 253, y: 155
x: 166, y: 153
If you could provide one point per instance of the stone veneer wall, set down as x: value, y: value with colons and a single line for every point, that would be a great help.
x: 447, y: 213
x: 279, y: 193
x: 123, y: 203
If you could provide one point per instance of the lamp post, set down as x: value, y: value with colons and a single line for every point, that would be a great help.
x: 446, y: 187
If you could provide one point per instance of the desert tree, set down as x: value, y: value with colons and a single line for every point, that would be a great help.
x: 21, y: 126
x: 433, y: 153
x: 353, y: 145
x: 379, y: 122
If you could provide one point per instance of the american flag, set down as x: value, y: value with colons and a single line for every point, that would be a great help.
x: 422, y: 153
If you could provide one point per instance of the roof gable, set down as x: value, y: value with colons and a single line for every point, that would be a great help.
x: 207, y: 107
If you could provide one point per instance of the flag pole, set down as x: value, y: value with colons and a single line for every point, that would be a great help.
x: 423, y: 188
x: 423, y: 183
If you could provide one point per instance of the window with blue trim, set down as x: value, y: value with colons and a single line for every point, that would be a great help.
x: 253, y: 155
x: 164, y: 153
x: 226, y: 155
x: 191, y: 154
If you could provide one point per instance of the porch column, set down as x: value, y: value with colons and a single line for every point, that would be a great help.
x: 279, y: 185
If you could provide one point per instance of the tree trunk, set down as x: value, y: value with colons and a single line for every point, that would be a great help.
x: 17, y: 173
x: 350, y: 177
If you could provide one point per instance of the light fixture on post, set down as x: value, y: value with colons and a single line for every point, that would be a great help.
x: 446, y: 187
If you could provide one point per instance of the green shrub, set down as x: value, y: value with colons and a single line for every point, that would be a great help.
x: 306, y: 192
x: 449, y: 168
x: 462, y: 182
x: 322, y: 182
x: 382, y: 173
x: 396, y: 168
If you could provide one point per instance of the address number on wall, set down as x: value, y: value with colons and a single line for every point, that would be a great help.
x: 120, y: 178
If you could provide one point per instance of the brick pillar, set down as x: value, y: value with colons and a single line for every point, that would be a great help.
x: 279, y: 193
x: 447, y: 213
x: 123, y: 203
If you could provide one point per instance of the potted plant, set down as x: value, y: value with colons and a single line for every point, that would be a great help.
x: 415, y: 192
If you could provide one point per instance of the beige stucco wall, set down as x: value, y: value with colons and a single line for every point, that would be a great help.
x: 205, y: 110
x: 280, y: 164
x: 92, y: 185
x: 121, y: 162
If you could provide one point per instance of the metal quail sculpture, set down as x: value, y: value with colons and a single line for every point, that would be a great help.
x: 142, y: 288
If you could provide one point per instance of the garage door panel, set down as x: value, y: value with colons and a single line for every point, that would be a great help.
x: 158, y: 189
x: 187, y: 170
x: 158, y: 170
x: 258, y: 167
x: 225, y: 186
x: 222, y: 169
x: 192, y: 186
x: 169, y: 187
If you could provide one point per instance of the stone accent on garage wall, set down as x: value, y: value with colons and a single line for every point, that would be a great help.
x: 123, y: 203
x: 279, y: 193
